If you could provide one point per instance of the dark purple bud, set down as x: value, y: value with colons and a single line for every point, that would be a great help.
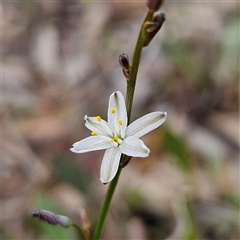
x: 153, y: 27
x: 124, y: 61
x: 154, y: 5
x: 52, y: 218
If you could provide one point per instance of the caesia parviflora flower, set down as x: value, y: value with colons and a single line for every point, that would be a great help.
x: 116, y: 137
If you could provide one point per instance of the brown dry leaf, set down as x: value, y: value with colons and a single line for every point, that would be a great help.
x: 22, y: 176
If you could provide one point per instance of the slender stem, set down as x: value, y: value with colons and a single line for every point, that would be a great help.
x: 135, y: 65
x: 79, y: 231
x: 129, y: 102
x: 105, y: 205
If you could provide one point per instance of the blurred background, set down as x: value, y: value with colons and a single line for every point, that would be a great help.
x: 60, y: 62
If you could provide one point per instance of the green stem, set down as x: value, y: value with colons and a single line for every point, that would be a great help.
x: 106, y: 204
x: 129, y: 101
x: 135, y: 65
x: 79, y: 231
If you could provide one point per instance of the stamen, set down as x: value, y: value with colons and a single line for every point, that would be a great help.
x: 115, y: 137
x: 120, y: 122
x: 93, y: 133
x: 113, y: 110
x: 114, y: 143
x: 98, y: 118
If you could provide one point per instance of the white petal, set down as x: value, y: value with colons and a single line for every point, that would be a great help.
x: 134, y: 147
x: 146, y: 124
x: 117, y: 102
x: 91, y: 143
x: 110, y: 164
x: 100, y: 127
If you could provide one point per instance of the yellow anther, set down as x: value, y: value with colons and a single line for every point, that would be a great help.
x: 120, y: 122
x: 93, y: 133
x: 112, y: 140
x: 115, y: 137
x: 113, y: 110
x: 98, y: 118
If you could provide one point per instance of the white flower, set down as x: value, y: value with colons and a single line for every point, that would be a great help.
x: 116, y: 137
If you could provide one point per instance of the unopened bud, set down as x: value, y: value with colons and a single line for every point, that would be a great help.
x: 153, y: 27
x: 154, y: 5
x: 52, y: 218
x: 124, y: 61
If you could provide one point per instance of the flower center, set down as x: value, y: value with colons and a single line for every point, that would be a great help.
x: 116, y: 141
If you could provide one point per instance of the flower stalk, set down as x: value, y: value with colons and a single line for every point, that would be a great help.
x: 129, y: 102
x: 106, y: 205
x: 135, y: 64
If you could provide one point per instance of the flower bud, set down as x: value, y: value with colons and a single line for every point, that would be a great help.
x: 52, y: 218
x: 153, y: 27
x: 154, y: 5
x: 124, y: 61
